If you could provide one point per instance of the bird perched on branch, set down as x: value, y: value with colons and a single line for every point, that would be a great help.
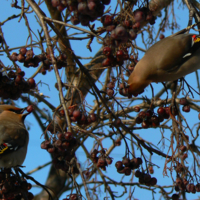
x: 13, y: 136
x: 167, y: 60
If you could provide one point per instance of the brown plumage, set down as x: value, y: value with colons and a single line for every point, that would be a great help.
x: 13, y: 137
x: 167, y: 60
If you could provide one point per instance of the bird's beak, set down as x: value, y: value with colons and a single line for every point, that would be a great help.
x: 23, y: 109
x: 24, y: 115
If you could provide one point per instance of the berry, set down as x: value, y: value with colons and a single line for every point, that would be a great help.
x: 119, y: 165
x: 119, y: 55
x: 151, y: 171
x: 132, y: 34
x: 139, y: 16
x: 77, y: 114
x: 138, y: 174
x: 186, y: 108
x: 138, y: 120
x: 126, y: 162
x: 175, y: 197
x: 145, y: 124
x: 30, y: 108
x: 142, y: 114
x: 107, y: 51
x: 31, y: 83
x: 21, y: 58
x: 161, y: 111
x: 127, y: 171
x: 109, y: 160
x: 55, y: 3
x: 153, y: 181
x: 110, y: 92
x: 161, y: 36
x: 107, y: 20
x: 137, y: 109
x: 111, y: 85
x: 183, y: 101
x: 93, y: 117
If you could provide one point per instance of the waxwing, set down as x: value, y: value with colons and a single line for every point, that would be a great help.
x: 167, y: 60
x: 13, y: 136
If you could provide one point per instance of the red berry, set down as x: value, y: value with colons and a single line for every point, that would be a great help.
x: 23, y: 51
x: 68, y: 135
x: 153, y: 181
x: 161, y: 111
x: 109, y: 160
x: 142, y: 114
x: 111, y: 85
x: 183, y: 148
x: 55, y: 3
x: 21, y: 58
x: 183, y: 101
x: 119, y: 165
x: 92, y: 5
x: 77, y: 114
x: 13, y: 57
x: 162, y: 36
x: 18, y: 79
x: 186, y: 108
x: 137, y: 109
x: 62, y: 113
x: 149, y: 113
x: 127, y: 171
x: 29, y: 54
x: 139, y: 16
x: 31, y: 83
x: 107, y: 20
x: 126, y: 162
x: 136, y: 26
x: 138, y: 120
x: 117, y: 122
x: 155, y: 121
x: 106, y: 62
x: 110, y: 92
x: 119, y: 55
x: 167, y: 110
x: 30, y: 108
x: 138, y: 173
x: 147, y: 177
x: 107, y: 51
x: 145, y: 124
x: 127, y: 23
x: 132, y: 33
x: 93, y: 117
x: 74, y: 20
x: 120, y: 32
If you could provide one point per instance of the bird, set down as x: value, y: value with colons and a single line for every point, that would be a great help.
x: 167, y: 60
x: 14, y: 137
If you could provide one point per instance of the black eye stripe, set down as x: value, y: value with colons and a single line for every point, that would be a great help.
x: 16, y: 111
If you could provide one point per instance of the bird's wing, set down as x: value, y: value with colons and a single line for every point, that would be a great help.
x: 9, y: 142
x: 169, y: 53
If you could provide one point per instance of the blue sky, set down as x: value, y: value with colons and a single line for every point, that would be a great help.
x: 15, y: 34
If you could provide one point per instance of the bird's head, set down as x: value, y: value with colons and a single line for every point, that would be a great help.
x: 137, y: 84
x: 6, y: 107
x: 13, y: 113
